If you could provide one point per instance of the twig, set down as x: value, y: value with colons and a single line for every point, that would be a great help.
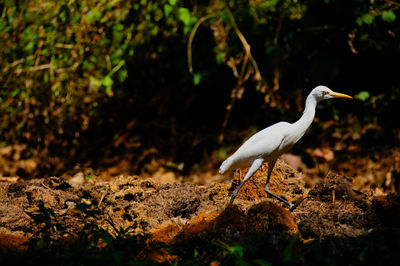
x: 393, y: 3
x: 245, y: 71
x: 64, y: 45
x: 191, y: 37
x: 245, y: 44
x: 243, y: 76
x: 101, y: 199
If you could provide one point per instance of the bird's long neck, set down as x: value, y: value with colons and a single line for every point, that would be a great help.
x: 308, y: 115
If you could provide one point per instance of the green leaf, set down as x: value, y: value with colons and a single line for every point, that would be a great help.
x: 172, y: 2
x: 196, y: 254
x: 363, y: 95
x: 64, y: 14
x: 118, y: 27
x: 94, y: 82
x: 368, y: 18
x: 167, y: 9
x: 184, y: 15
x: 30, y: 47
x: 388, y: 16
x: 14, y: 93
x: 123, y: 74
x: 220, y: 57
x: 154, y: 30
x: 359, y: 21
x: 196, y: 78
x: 107, y: 81
x: 236, y: 250
x: 186, y: 29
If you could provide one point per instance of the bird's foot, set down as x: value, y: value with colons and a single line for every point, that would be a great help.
x: 277, y: 197
x: 296, y: 203
x: 233, y: 196
x: 291, y: 206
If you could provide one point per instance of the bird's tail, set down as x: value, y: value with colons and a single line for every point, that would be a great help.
x: 225, y: 166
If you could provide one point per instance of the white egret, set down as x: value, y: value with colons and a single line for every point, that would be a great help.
x: 268, y: 144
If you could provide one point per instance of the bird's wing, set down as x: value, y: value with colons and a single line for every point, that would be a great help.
x: 264, y: 144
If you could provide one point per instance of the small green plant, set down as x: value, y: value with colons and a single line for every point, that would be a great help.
x: 49, y: 227
x: 235, y: 255
x: 93, y: 244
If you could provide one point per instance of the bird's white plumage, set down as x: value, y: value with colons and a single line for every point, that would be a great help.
x: 265, y: 144
x: 268, y: 144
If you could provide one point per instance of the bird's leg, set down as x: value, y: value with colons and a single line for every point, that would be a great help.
x: 254, y: 182
x: 253, y: 168
x: 271, y: 166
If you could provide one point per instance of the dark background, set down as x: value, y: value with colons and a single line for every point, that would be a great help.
x: 147, y: 105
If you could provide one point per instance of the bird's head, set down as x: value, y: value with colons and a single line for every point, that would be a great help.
x: 324, y: 93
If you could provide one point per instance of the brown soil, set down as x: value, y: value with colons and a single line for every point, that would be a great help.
x: 179, y: 212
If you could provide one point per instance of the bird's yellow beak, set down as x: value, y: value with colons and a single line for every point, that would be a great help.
x: 340, y: 95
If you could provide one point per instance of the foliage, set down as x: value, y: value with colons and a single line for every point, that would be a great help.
x: 61, y: 59
x: 74, y: 74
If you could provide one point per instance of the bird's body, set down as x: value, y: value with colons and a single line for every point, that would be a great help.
x: 268, y: 144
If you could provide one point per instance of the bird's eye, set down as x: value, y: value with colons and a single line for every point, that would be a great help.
x: 325, y: 92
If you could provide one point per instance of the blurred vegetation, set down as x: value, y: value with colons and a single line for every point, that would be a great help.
x: 86, y: 79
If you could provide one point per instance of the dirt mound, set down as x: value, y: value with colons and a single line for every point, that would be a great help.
x: 132, y: 198
x: 180, y: 213
x: 285, y: 181
x: 230, y: 223
x: 334, y: 208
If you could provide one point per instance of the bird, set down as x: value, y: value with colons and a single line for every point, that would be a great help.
x: 268, y: 144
